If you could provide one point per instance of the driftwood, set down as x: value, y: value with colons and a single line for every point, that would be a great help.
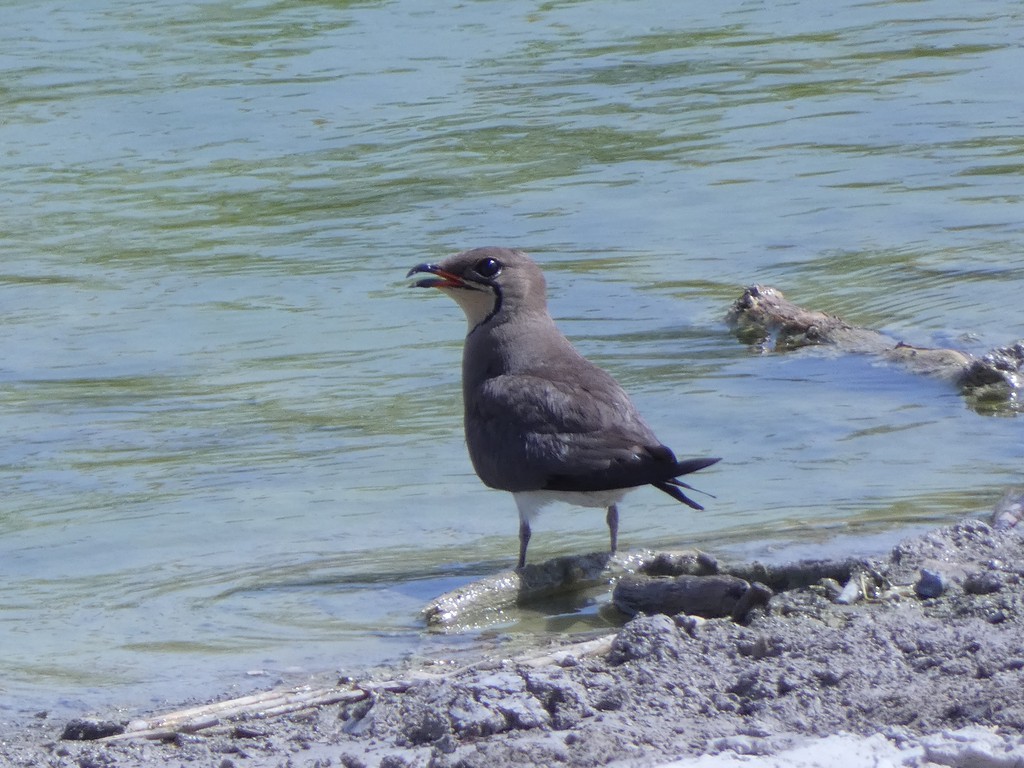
x: 226, y: 715
x: 260, y: 705
x: 484, y: 601
x: 666, y: 582
x: 763, y: 316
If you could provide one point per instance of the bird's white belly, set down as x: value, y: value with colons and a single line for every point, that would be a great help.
x: 531, y: 502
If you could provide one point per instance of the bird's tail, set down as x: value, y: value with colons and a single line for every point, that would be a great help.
x: 673, y: 486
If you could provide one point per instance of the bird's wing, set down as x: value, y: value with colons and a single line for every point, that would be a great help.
x: 539, y: 432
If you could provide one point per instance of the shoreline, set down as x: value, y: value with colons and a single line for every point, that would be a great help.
x: 936, y: 663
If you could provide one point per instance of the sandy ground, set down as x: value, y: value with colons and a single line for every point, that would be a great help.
x: 929, y: 671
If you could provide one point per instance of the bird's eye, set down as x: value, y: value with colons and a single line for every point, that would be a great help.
x: 488, y: 267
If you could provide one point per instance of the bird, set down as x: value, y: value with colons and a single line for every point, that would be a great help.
x: 542, y: 421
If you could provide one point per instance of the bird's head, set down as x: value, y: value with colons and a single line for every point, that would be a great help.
x: 488, y: 283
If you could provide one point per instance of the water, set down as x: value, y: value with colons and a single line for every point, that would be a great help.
x: 232, y: 434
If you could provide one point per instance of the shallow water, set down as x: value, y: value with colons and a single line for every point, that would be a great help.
x: 233, y: 436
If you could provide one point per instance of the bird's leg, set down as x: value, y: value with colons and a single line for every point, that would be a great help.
x: 524, y: 540
x: 613, y: 526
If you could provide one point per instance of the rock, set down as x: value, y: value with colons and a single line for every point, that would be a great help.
x: 706, y: 596
x: 851, y: 592
x: 930, y: 584
x: 694, y: 563
x: 1009, y: 510
x: 84, y: 729
x: 564, y: 700
x: 645, y: 636
x: 972, y: 747
x: 424, y: 725
x: 983, y: 583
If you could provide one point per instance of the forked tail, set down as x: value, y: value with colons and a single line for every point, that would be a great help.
x: 673, y: 486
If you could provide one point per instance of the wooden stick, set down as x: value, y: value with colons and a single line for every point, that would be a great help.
x: 260, y: 705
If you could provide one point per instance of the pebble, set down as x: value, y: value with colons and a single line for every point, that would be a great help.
x: 984, y: 583
x: 851, y: 592
x: 930, y: 584
x: 84, y: 729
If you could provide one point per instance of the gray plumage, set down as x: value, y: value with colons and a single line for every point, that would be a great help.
x: 541, y: 420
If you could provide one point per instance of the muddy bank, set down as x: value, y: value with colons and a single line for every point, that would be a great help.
x: 933, y: 642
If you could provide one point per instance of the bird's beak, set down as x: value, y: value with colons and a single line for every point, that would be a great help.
x: 440, y: 279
